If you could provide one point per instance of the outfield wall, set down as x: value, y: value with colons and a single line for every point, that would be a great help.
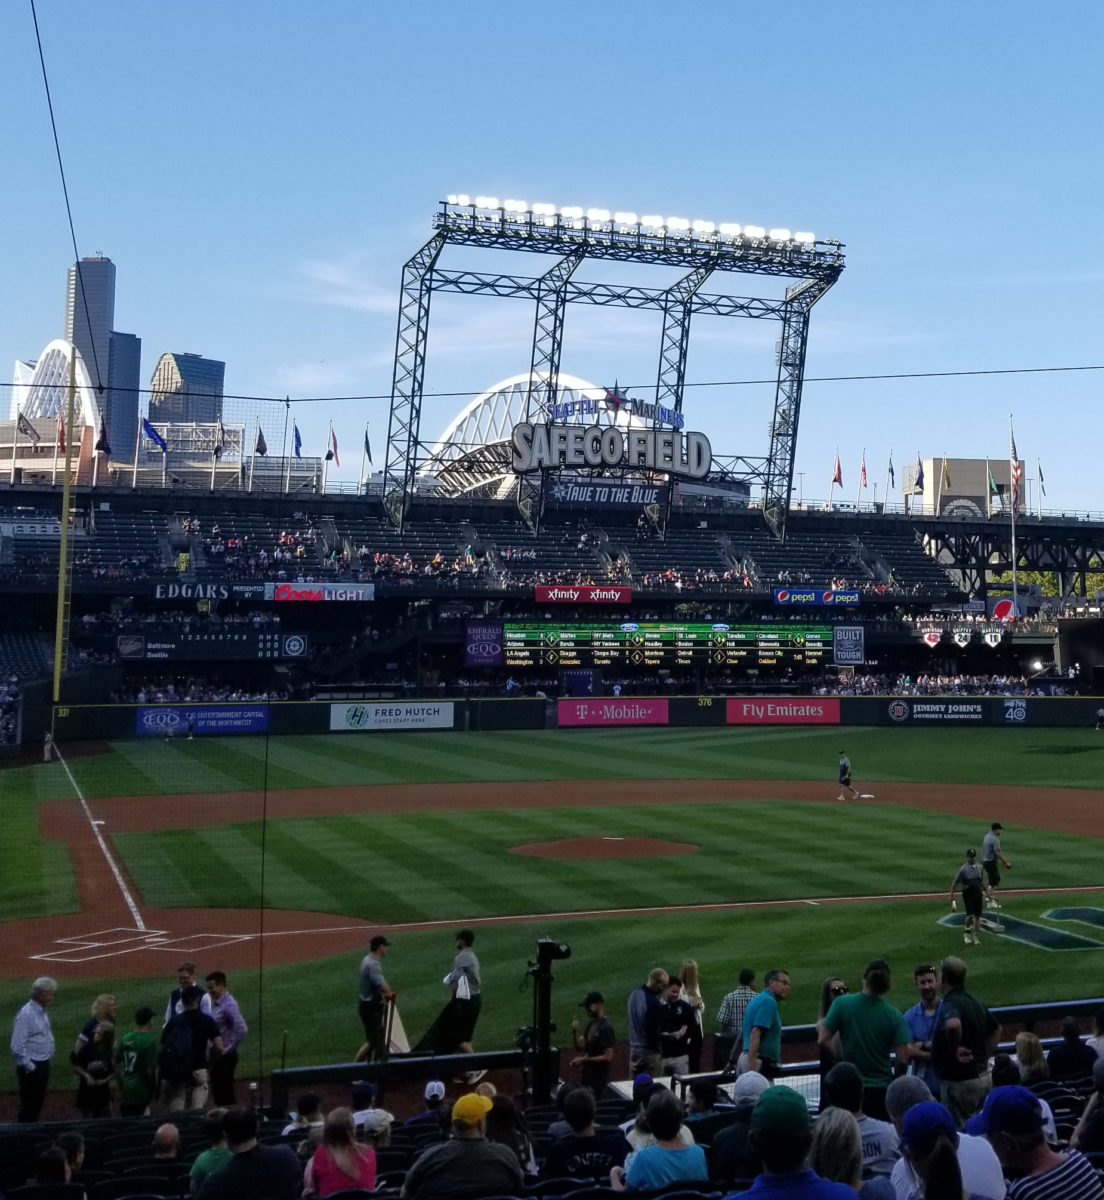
x: 122, y: 721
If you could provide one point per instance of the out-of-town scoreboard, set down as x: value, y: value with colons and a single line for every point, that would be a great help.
x: 664, y: 645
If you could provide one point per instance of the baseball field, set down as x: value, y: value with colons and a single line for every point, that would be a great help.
x: 275, y: 859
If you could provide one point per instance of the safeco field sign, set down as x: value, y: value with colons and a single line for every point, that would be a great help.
x: 412, y: 714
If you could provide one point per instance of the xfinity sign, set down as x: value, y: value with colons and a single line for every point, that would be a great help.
x: 549, y: 447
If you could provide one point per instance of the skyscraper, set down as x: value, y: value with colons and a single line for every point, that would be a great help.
x: 186, y: 388
x: 113, y: 360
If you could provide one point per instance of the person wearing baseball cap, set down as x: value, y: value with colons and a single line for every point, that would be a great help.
x: 969, y: 878
x: 375, y: 995
x: 782, y: 1135
x: 929, y: 1142
x: 437, y: 1112
x: 595, y: 1044
x: 1012, y: 1120
x: 467, y: 1165
x: 990, y: 856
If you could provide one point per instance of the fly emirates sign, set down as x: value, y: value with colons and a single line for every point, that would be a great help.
x: 546, y: 447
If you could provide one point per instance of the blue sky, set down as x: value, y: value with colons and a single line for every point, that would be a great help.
x: 260, y: 172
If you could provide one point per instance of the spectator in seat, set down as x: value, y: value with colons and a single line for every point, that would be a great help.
x: 1089, y: 1134
x: 467, y: 1165
x: 52, y: 1167
x: 782, y: 1136
x: 436, y: 1112
x: 341, y: 1162
x: 730, y: 1153
x: 1072, y: 1059
x: 837, y: 1155
x: 506, y: 1127
x: 217, y: 1154
x: 843, y: 1088
x: 255, y: 1170
x: 166, y: 1143
x: 667, y: 1163
x: 584, y: 1153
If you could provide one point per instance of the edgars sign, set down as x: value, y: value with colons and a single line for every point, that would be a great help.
x: 537, y: 447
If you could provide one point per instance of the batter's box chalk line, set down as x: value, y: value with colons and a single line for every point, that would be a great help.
x: 113, y: 943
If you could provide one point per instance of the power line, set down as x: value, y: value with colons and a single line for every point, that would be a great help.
x: 703, y: 384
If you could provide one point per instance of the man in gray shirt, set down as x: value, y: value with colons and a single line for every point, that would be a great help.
x: 467, y: 1165
x: 375, y: 995
x: 990, y: 856
x: 467, y: 997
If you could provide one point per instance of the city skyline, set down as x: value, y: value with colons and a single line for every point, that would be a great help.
x: 266, y: 223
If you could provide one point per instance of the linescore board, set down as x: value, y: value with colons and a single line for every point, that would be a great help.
x: 664, y: 645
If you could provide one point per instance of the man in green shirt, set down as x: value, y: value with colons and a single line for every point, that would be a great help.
x: 209, y: 1160
x: 137, y: 1053
x: 870, y: 1028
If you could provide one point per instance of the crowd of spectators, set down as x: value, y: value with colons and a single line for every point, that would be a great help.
x: 904, y: 684
x: 184, y: 689
x: 9, y: 711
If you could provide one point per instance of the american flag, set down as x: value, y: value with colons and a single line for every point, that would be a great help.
x: 1016, y: 467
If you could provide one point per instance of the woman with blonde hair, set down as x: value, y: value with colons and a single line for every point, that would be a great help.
x: 1030, y: 1056
x: 691, y: 993
x: 341, y: 1162
x: 837, y: 1155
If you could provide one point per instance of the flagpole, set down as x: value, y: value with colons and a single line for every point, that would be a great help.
x: 1039, y: 494
x: 95, y: 466
x: 57, y: 438
x: 858, y: 486
x: 253, y: 458
x: 1015, y: 505
x: 362, y: 485
x: 165, y: 467
x: 15, y: 451
x: 832, y: 485
x: 137, y: 447
x: 939, y: 485
x: 214, y: 456
x: 326, y: 457
x: 889, y: 476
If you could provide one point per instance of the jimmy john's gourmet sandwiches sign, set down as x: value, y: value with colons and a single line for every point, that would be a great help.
x: 540, y: 447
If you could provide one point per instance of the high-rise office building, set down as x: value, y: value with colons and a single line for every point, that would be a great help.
x: 113, y: 360
x: 186, y: 387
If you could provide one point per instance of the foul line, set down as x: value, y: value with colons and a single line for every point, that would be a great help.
x: 661, y: 910
x: 94, y: 826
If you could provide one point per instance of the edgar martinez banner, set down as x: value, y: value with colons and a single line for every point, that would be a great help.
x: 483, y: 644
x: 582, y: 593
x: 398, y: 714
x: 320, y: 591
x: 538, y: 447
x: 171, y: 720
x: 630, y: 495
x: 816, y: 598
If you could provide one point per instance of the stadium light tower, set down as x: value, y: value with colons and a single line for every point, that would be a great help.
x: 699, y: 248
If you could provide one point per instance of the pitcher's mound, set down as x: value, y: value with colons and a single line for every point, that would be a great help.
x: 605, y: 847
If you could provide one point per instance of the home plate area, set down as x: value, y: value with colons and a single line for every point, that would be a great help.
x: 111, y: 943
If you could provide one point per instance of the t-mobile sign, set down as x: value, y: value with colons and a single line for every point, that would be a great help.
x: 604, y: 710
x: 483, y: 644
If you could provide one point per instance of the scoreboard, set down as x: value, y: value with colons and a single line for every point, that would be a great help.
x: 664, y: 645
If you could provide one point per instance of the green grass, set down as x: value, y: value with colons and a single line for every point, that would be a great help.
x: 423, y: 866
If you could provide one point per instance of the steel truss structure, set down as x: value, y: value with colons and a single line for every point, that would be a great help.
x: 974, y: 549
x: 701, y: 250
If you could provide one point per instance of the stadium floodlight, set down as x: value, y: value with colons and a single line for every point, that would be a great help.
x: 704, y: 227
x: 728, y: 229
x: 572, y: 211
x: 598, y: 214
x: 754, y: 231
x: 779, y: 235
x: 625, y: 218
x: 543, y: 210
x: 677, y: 223
x: 463, y: 200
x: 452, y: 199
x: 515, y: 206
x: 652, y: 222
x: 807, y: 238
x: 486, y: 202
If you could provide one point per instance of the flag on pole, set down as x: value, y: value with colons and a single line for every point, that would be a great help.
x: 993, y: 489
x: 862, y: 471
x: 297, y: 441
x: 1017, y: 468
x: 1042, y: 482
x: 946, y: 473
x: 892, y: 473
x: 367, y: 443
x: 918, y: 486
x: 331, y: 449
x: 102, y: 444
x: 61, y: 434
x: 26, y: 428
x: 220, y: 438
x: 837, y: 474
x: 261, y: 446
x: 154, y: 437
